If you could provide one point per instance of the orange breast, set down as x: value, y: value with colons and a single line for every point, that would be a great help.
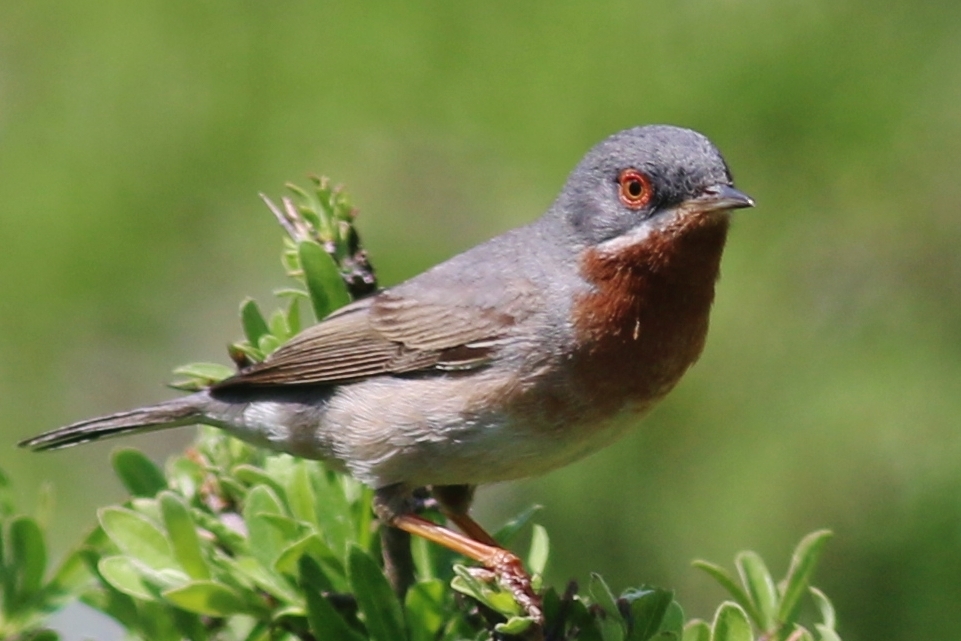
x: 646, y: 321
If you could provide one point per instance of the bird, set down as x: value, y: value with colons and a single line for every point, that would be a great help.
x: 513, y: 358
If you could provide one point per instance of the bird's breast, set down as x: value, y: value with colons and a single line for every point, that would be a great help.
x: 644, y: 320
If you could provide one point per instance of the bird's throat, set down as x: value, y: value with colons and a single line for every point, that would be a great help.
x: 646, y: 318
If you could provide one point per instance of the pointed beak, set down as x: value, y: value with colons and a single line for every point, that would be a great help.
x: 720, y: 198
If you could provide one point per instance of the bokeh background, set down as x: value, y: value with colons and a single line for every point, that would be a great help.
x: 135, y: 136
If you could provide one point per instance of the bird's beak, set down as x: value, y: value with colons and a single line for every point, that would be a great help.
x: 720, y: 198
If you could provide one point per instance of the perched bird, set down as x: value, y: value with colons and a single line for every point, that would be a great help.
x: 513, y: 358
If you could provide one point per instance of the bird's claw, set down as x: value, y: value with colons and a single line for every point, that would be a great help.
x: 507, y: 570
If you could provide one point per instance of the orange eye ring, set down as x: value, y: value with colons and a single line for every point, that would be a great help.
x: 635, y: 189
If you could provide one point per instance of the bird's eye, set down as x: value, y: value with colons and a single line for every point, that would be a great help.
x: 635, y: 188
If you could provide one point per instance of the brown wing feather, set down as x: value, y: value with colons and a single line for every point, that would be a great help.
x: 385, y: 334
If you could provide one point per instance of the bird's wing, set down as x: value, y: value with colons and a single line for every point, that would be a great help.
x: 385, y: 334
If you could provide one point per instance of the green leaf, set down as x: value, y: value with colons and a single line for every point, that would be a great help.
x: 540, y: 550
x: 293, y: 314
x: 157, y: 622
x: 647, y: 607
x: 266, y: 540
x: 190, y: 625
x: 491, y: 595
x: 250, y: 571
x: 584, y: 620
x: 426, y: 563
x: 243, y: 349
x: 312, y: 545
x: 509, y: 530
x: 825, y: 607
x: 40, y: 635
x: 325, y: 621
x: 324, y: 283
x: 139, y: 474
x: 827, y: 634
x: 804, y: 559
x: 425, y: 609
x: 149, y: 508
x: 612, y: 627
x: 731, y: 624
x: 208, y: 598
x: 122, y: 575
x: 514, y: 626
x: 252, y: 321
x: 186, y: 476
x: 313, y: 577
x: 29, y: 556
x: 363, y: 516
x: 333, y: 512
x: 208, y: 373
x: 760, y: 588
x: 300, y: 496
x: 136, y: 536
x: 696, y: 630
x: 375, y: 599
x: 183, y: 535
x: 603, y: 596
x: 673, y: 621
x: 268, y: 344
x: 278, y: 325
x: 728, y: 583
x: 252, y: 475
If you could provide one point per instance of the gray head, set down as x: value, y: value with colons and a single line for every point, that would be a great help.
x: 637, y: 174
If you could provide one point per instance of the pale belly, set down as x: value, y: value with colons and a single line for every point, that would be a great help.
x: 429, y: 438
x: 426, y: 432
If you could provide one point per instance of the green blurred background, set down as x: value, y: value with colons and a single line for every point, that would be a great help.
x: 135, y: 136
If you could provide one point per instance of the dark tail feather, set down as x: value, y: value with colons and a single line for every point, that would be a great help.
x: 173, y: 413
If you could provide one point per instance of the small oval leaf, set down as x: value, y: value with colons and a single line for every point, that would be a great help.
x: 375, y: 598
x: 138, y: 473
x: 325, y: 622
x: 760, y: 588
x: 324, y: 283
x: 696, y: 630
x: 514, y: 626
x: 183, y: 535
x: 728, y: 583
x: 825, y: 607
x: 731, y: 624
x: 205, y: 374
x: 29, y: 557
x: 122, y: 575
x: 252, y: 321
x: 137, y: 537
x: 208, y: 598
x: 803, y: 561
x: 509, y: 530
x: 648, y: 607
x: 424, y: 605
x: 540, y: 550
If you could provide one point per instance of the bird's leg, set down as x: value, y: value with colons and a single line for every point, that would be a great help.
x: 505, y: 565
x: 391, y: 505
x: 398, y: 560
x: 455, y: 502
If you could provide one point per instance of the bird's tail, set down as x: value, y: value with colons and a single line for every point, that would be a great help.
x: 179, y: 411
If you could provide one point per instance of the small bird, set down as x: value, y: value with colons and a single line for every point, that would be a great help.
x: 521, y: 355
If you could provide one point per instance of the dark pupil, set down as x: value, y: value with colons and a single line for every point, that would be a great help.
x: 634, y: 188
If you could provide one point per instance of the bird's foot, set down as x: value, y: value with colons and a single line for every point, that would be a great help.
x: 506, y: 569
